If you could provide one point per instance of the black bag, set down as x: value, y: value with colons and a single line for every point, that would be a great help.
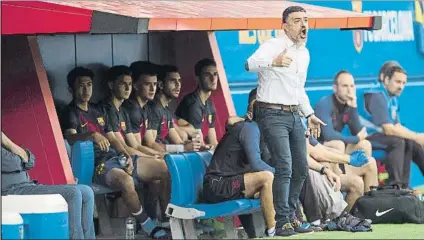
x: 389, y: 204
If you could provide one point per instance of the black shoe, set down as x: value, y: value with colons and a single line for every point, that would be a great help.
x: 301, y: 228
x: 285, y: 231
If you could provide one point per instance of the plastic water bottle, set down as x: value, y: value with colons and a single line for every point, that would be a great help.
x: 122, y: 160
x: 129, y: 228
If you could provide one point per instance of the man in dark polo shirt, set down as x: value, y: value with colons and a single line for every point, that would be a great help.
x: 237, y: 170
x: 402, y: 144
x: 338, y: 110
x: 144, y: 75
x: 196, y: 109
x: 161, y: 120
x: 84, y: 121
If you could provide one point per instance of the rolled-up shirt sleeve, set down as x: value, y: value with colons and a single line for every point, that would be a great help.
x: 263, y: 57
x: 31, y: 160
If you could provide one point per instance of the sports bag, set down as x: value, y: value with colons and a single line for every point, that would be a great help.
x: 389, y: 204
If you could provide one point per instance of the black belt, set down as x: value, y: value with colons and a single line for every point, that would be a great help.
x: 288, y: 108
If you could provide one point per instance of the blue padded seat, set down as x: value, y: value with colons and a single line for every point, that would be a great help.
x: 227, y: 208
x: 379, y: 154
x: 187, y: 171
x: 82, y: 162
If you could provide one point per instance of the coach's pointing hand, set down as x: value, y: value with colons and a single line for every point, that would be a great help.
x: 314, y: 125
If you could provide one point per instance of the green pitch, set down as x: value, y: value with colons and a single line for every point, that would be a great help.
x: 380, y: 231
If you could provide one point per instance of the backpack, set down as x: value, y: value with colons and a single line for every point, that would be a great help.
x: 389, y: 204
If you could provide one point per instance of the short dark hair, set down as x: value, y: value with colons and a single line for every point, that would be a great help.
x: 164, y: 70
x: 78, y: 72
x: 291, y: 10
x: 200, y: 65
x: 338, y: 74
x: 385, y: 68
x: 116, y: 71
x: 394, y: 69
x: 252, y: 95
x: 252, y: 100
x: 143, y: 68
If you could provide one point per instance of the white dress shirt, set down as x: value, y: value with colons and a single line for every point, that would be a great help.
x: 282, y: 85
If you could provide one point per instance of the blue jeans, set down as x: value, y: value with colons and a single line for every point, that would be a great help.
x: 80, y: 199
x: 284, y: 136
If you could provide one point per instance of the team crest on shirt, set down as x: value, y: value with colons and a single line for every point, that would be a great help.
x: 394, y: 112
x: 346, y: 118
x: 123, y: 126
x: 210, y: 118
x: 101, y: 121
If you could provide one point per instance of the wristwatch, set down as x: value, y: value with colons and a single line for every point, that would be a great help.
x: 322, y: 170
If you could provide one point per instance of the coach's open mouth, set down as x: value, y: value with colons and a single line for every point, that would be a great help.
x: 303, y: 33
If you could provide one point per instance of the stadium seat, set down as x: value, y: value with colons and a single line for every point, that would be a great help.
x: 82, y: 162
x: 187, y: 171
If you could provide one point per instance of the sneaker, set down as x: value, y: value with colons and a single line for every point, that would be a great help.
x: 285, y: 231
x: 316, y: 228
x: 301, y: 228
x: 164, y: 224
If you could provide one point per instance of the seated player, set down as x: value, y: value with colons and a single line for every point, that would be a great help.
x: 196, y: 109
x: 330, y: 158
x: 237, y: 171
x: 161, y: 120
x: 84, y: 121
x: 144, y: 75
x: 339, y: 110
x: 119, y: 82
x: 16, y: 161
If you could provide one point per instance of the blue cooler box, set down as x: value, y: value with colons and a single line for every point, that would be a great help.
x: 12, y: 225
x: 44, y: 216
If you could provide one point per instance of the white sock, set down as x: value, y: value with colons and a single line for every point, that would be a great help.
x: 316, y: 223
x: 271, y: 232
x: 139, y: 211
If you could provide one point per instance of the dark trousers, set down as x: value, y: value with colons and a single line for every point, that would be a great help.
x: 416, y: 153
x: 284, y: 136
x: 397, y: 161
